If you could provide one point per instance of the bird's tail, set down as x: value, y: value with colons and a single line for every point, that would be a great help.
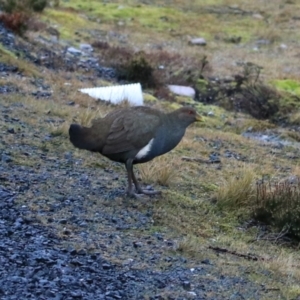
x: 81, y: 137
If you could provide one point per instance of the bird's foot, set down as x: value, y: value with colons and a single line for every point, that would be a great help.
x: 147, y: 191
x: 141, y: 192
x: 132, y: 194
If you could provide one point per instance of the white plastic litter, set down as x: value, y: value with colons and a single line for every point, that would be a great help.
x: 116, y: 94
x: 181, y: 90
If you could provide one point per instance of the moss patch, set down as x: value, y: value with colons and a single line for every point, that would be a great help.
x: 288, y: 85
x: 10, y: 58
x: 69, y: 22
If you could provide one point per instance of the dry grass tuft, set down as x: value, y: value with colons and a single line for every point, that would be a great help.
x: 88, y: 115
x: 124, y: 104
x: 296, y: 171
x: 238, y: 191
x: 59, y: 130
x: 294, y: 118
x: 163, y: 170
x: 191, y: 245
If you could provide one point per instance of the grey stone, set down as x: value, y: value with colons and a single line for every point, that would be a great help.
x: 86, y: 47
x: 198, y: 41
x: 182, y: 90
x: 74, y: 51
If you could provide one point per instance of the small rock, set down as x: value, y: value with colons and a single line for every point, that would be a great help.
x: 6, y: 158
x: 159, y: 236
x: 86, y: 47
x: 186, y: 285
x: 76, y: 294
x: 63, y: 221
x: 74, y: 51
x: 214, y: 158
x: 263, y: 42
x: 137, y: 244
x: 68, y: 155
x: 198, y: 41
x: 81, y: 252
x: 106, y: 266
x: 181, y: 90
x: 257, y: 16
x: 233, y: 39
x: 283, y: 46
x: 10, y: 130
x: 206, y: 262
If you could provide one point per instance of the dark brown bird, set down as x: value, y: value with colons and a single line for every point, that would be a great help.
x: 134, y: 135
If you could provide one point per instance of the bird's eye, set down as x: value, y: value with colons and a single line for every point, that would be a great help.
x: 190, y: 112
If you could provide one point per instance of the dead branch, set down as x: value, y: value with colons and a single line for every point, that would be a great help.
x: 246, y: 256
x: 196, y: 159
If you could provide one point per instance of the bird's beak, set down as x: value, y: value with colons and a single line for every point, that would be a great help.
x: 199, y: 118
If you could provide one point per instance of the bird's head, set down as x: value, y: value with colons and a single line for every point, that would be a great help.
x: 189, y: 115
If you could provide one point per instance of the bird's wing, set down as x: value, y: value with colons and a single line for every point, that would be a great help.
x: 131, y: 130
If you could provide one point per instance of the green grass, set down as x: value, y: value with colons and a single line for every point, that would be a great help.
x: 140, y: 15
x: 164, y: 18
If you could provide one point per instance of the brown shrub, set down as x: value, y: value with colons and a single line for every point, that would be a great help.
x: 153, y: 69
x: 173, y: 68
x: 11, y: 6
x: 278, y: 204
x: 37, y: 5
x: 138, y: 69
x: 254, y: 97
x: 18, y: 13
x: 163, y: 93
x: 100, y: 45
x: 259, y: 100
x: 35, y: 25
x: 245, y: 93
x: 15, y: 21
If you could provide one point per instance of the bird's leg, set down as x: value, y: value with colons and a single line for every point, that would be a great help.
x: 130, y: 192
x: 129, y: 167
x: 131, y: 177
x: 138, y: 187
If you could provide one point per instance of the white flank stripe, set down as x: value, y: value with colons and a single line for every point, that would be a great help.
x: 144, y: 151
